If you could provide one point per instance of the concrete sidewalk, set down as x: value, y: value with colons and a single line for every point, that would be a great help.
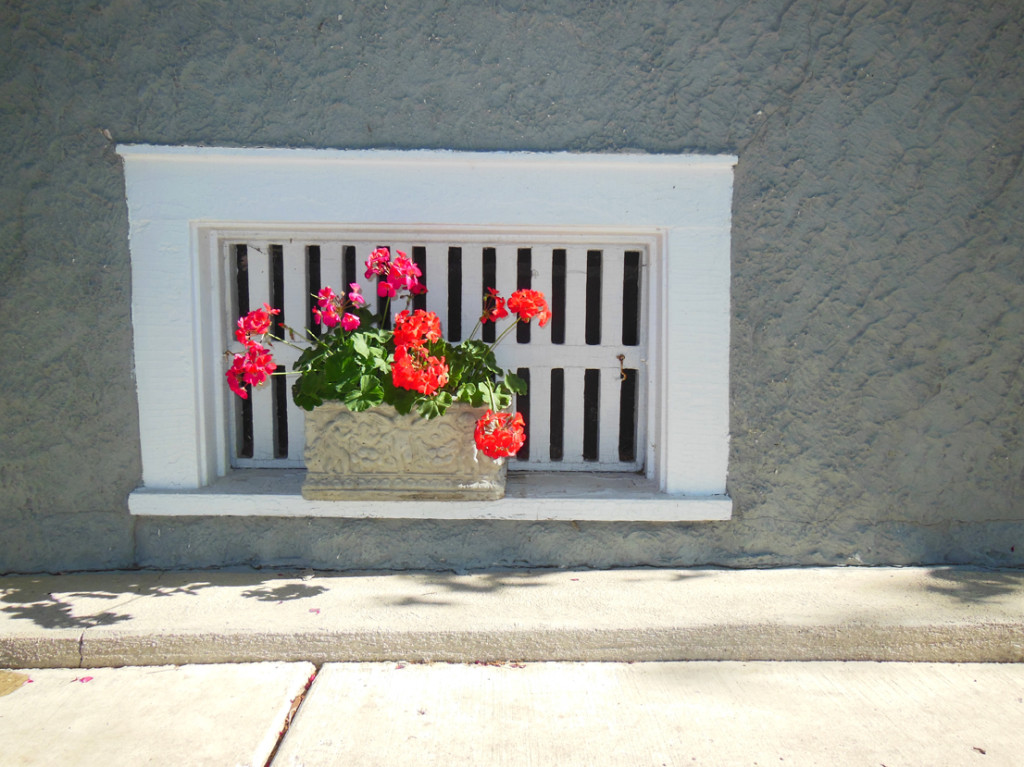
x: 153, y: 618
x: 518, y: 715
x: 101, y: 668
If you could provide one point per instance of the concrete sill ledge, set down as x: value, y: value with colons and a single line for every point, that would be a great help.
x: 531, y: 496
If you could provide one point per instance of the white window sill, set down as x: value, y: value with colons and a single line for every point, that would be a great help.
x: 582, y: 496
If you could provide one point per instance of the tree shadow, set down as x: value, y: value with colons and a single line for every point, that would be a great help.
x: 28, y: 598
x: 975, y: 586
x: 55, y: 614
x: 68, y: 605
x: 286, y: 593
x: 453, y: 584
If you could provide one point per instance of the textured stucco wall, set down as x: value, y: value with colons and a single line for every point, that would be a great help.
x: 877, y: 273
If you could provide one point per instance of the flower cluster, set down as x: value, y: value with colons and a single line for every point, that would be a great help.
x: 399, y: 274
x: 500, y: 435
x: 417, y: 328
x: 529, y: 304
x: 363, y: 364
x: 331, y: 309
x: 415, y: 368
x: 255, y: 323
x: 255, y: 364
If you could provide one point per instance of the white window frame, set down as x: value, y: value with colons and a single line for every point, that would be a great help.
x: 180, y: 197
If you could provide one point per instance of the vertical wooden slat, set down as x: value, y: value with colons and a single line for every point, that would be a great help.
x: 367, y: 285
x: 331, y: 267
x: 505, y: 272
x: 573, y: 434
x: 295, y: 289
x: 296, y: 286
x: 540, y: 414
x: 608, y: 430
x: 400, y: 304
x: 258, y: 259
x: 612, y: 264
x: 437, y: 281
x: 575, y: 297
x: 542, y: 282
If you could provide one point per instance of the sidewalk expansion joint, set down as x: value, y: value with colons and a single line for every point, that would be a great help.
x: 290, y: 716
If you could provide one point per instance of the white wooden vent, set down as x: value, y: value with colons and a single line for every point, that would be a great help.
x: 585, y: 409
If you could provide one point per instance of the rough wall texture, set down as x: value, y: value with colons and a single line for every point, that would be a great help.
x: 878, y: 304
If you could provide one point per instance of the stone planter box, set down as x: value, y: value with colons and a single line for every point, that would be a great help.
x: 381, y: 455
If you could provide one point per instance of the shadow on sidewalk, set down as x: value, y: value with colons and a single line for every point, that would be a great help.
x: 89, y: 600
x: 975, y: 586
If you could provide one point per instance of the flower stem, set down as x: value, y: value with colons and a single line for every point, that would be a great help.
x: 504, y: 333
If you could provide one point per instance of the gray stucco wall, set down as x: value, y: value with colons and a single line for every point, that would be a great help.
x: 878, y: 304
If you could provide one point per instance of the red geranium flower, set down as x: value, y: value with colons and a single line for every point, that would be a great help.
x: 494, y: 307
x: 330, y: 308
x: 328, y: 316
x: 253, y: 368
x: 415, y: 370
x: 416, y: 328
x: 500, y: 435
x: 255, y: 323
x: 378, y: 262
x: 529, y: 304
x: 355, y: 295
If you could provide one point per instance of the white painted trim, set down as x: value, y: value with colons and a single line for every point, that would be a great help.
x: 176, y: 193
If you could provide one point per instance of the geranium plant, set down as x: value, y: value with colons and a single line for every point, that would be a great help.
x: 357, y: 361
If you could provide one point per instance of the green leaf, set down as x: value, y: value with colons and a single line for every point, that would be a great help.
x: 362, y: 399
x: 403, y: 400
x: 515, y: 383
x: 433, y: 407
x: 335, y: 367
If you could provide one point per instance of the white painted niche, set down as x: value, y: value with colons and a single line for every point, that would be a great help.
x: 664, y: 219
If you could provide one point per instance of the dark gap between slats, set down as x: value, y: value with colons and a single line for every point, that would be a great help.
x: 349, y: 268
x: 280, y: 405
x: 277, y: 288
x: 591, y: 413
x: 490, y: 277
x: 383, y: 302
x: 593, y: 314
x: 419, y: 257
x: 245, y: 438
x: 524, y: 277
x: 557, y: 297
x: 312, y: 287
x: 557, y: 414
x: 627, y: 417
x: 242, y: 279
x: 454, y: 294
x: 631, y: 299
x: 523, y: 406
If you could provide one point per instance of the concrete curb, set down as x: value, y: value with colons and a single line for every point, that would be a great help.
x: 155, y: 618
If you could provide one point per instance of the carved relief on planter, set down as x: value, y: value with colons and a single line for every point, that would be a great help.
x: 379, y: 454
